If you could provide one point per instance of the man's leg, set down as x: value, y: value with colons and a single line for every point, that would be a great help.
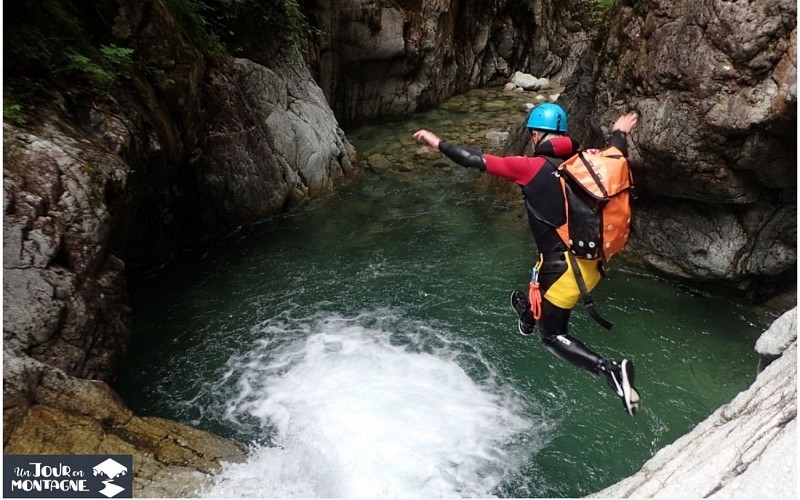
x: 554, y: 336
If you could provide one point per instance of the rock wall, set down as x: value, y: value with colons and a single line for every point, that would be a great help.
x: 190, y: 147
x: 746, y: 449
x: 273, y: 144
x: 714, y: 154
x: 87, y: 190
x: 64, y: 294
x: 379, y: 59
x: 217, y: 142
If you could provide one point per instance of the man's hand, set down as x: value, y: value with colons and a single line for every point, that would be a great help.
x: 429, y: 138
x: 625, y: 123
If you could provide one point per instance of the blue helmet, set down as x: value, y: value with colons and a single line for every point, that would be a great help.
x: 549, y: 117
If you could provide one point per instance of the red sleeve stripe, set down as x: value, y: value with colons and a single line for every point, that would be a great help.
x: 520, y: 169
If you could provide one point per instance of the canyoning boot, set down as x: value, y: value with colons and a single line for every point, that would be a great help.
x: 521, y: 306
x: 620, y: 376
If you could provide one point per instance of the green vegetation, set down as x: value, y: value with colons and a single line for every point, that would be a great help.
x: 243, y: 27
x: 13, y: 113
x: 603, y: 9
x: 50, y: 48
x: 65, y: 47
x: 247, y: 26
x: 193, y: 16
x: 101, y: 72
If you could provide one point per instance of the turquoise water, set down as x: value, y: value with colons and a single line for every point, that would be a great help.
x: 364, y: 347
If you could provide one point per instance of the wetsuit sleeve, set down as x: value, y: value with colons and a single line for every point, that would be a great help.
x: 464, y: 156
x: 520, y: 169
x: 620, y: 141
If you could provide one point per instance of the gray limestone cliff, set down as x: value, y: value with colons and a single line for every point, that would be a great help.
x: 379, y: 60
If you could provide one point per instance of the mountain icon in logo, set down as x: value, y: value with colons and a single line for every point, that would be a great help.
x: 111, y: 469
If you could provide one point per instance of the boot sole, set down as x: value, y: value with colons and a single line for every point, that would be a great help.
x: 630, y: 396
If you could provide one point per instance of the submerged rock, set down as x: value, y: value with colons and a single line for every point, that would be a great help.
x: 378, y: 163
x: 497, y: 138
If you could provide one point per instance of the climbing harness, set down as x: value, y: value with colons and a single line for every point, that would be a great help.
x: 535, y: 295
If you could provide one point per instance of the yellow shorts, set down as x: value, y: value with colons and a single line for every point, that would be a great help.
x: 564, y: 292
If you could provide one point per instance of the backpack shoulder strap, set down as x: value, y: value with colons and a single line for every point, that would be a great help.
x: 555, y: 162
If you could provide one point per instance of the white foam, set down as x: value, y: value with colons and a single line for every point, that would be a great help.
x: 367, y: 407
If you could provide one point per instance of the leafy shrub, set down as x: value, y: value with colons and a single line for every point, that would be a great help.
x: 243, y: 27
x: 66, y: 46
x: 13, y: 113
x: 49, y: 48
x: 196, y: 17
x: 246, y: 26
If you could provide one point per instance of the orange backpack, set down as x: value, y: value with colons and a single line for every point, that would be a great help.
x: 597, y: 190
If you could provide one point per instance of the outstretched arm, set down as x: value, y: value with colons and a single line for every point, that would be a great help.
x: 464, y: 156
